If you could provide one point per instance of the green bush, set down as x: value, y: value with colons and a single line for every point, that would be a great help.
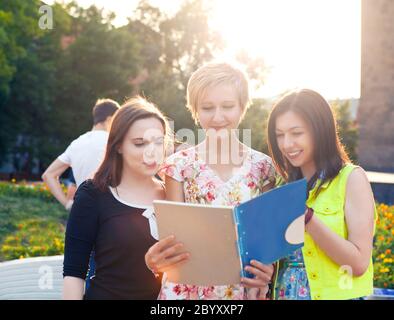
x: 26, y: 210
x: 33, y: 238
x: 383, y: 256
x: 27, y: 190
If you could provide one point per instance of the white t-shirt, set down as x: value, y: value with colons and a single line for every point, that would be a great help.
x: 85, y: 154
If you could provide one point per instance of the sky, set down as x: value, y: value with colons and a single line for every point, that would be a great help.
x: 304, y: 43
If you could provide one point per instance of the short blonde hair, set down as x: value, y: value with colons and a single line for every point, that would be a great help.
x: 213, y: 74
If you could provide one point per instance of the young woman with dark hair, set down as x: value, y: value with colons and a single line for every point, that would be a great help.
x: 336, y: 260
x: 113, y: 213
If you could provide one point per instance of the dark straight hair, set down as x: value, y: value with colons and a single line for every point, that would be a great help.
x: 110, y: 170
x: 103, y: 109
x: 329, y: 154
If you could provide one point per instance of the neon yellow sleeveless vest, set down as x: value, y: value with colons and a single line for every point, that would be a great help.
x: 327, y: 280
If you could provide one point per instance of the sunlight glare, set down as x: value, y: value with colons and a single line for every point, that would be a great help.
x: 306, y: 43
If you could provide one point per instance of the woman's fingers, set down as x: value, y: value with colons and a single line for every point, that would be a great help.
x: 262, y: 275
x: 253, y: 283
x: 178, y: 261
x: 153, y: 254
x: 164, y: 243
x: 258, y: 274
x: 159, y: 258
x: 169, y: 255
x: 267, y: 268
x: 171, y: 251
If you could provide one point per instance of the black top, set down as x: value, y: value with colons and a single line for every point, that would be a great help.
x: 120, y: 237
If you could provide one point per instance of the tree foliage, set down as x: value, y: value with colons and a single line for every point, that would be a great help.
x: 50, y: 79
x: 347, y: 128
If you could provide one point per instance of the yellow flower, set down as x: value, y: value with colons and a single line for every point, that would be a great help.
x: 229, y: 292
x: 382, y: 256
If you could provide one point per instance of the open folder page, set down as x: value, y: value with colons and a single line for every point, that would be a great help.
x: 222, y: 240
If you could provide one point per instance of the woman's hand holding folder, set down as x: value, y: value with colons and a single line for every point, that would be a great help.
x: 262, y: 278
x: 165, y: 254
x: 169, y: 253
x: 262, y: 275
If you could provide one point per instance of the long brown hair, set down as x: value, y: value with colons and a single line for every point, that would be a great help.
x: 110, y: 170
x: 329, y: 154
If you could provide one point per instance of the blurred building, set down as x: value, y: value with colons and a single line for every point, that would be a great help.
x: 376, y: 109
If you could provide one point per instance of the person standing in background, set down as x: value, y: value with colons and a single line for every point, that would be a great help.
x: 85, y: 154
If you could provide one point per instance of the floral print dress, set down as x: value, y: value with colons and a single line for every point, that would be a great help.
x: 292, y: 282
x: 201, y: 184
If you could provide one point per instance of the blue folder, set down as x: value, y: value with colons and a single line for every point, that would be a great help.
x: 262, y: 223
x: 258, y: 227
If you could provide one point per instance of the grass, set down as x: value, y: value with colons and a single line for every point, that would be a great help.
x: 22, y: 220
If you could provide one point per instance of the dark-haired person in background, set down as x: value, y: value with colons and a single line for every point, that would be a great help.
x: 84, y: 154
x: 336, y: 260
x: 113, y: 213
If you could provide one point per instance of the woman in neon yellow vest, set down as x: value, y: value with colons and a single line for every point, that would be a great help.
x: 336, y: 260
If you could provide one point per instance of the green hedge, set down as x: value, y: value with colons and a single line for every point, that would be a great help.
x: 32, y: 222
x: 27, y: 190
x: 34, y: 238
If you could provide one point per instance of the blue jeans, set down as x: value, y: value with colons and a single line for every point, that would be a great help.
x: 92, y: 270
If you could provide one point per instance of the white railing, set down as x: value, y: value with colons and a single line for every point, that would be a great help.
x: 380, y: 177
x: 38, y: 278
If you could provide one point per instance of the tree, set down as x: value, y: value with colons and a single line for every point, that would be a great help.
x: 55, y: 84
x: 256, y: 120
x: 173, y: 47
x: 255, y: 68
x: 18, y: 26
x: 347, y: 128
x: 19, y: 35
x: 100, y: 62
x: 50, y: 79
